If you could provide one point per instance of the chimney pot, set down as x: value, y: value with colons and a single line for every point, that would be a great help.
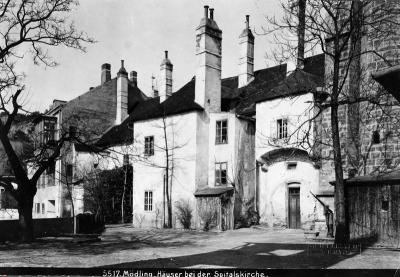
x: 205, y: 11
x: 122, y: 63
x: 105, y: 73
x: 247, y: 21
x: 133, y: 77
x: 166, y: 54
x: 212, y: 14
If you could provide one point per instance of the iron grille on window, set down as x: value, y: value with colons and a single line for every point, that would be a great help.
x: 221, y: 132
x: 282, y: 130
x: 220, y: 174
x: 148, y: 200
x: 149, y: 146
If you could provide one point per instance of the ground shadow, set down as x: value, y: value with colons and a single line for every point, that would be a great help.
x: 251, y: 255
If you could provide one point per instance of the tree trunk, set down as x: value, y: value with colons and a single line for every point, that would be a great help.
x: 25, y: 220
x: 341, y: 235
x: 123, y: 197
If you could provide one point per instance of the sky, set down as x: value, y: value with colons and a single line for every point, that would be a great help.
x: 139, y: 31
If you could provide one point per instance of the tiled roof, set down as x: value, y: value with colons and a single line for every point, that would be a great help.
x: 179, y: 102
x: 94, y: 111
x: 216, y: 191
x: 267, y: 84
x: 388, y: 178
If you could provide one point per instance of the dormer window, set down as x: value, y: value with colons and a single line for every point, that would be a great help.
x: 221, y: 136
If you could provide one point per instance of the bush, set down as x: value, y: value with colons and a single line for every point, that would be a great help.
x: 208, y: 217
x: 184, y: 214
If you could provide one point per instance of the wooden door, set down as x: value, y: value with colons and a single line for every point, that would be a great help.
x: 294, y: 208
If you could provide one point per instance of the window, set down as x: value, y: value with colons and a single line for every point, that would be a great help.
x: 49, y: 130
x: 220, y: 174
x: 291, y: 165
x: 221, y: 135
x: 385, y: 205
x: 376, y: 138
x: 126, y: 160
x: 38, y: 208
x: 148, y: 201
x: 149, y: 146
x: 1, y: 197
x: 43, y: 209
x: 51, y: 174
x: 51, y: 207
x: 281, y: 128
x: 69, y: 172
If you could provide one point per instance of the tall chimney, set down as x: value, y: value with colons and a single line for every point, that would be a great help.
x: 246, y: 59
x: 166, y: 68
x: 154, y: 86
x: 105, y: 73
x: 122, y: 94
x: 301, y: 33
x: 133, y: 77
x: 208, y: 73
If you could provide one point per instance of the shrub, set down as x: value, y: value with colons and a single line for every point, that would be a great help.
x: 208, y: 217
x: 184, y: 213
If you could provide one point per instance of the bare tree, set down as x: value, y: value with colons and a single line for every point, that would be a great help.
x: 33, y: 27
x: 338, y: 29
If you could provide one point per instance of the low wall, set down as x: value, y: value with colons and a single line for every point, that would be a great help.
x: 9, y: 229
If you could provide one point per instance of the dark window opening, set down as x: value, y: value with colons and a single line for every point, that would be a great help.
x: 385, y: 205
x: 376, y: 137
x: 69, y: 172
x: 291, y: 165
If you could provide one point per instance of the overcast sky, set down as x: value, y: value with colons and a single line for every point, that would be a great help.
x: 138, y: 31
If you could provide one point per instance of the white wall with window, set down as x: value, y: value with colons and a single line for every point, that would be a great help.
x: 283, y: 122
x: 149, y: 152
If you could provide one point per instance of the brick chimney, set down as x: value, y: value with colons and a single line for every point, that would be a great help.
x: 165, y: 89
x: 105, y: 73
x: 246, y: 59
x: 208, y: 73
x: 122, y: 94
x: 154, y: 86
x: 133, y: 77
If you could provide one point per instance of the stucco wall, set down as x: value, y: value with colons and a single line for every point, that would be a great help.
x: 149, y: 171
x: 273, y: 180
x: 295, y: 109
x: 273, y: 193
